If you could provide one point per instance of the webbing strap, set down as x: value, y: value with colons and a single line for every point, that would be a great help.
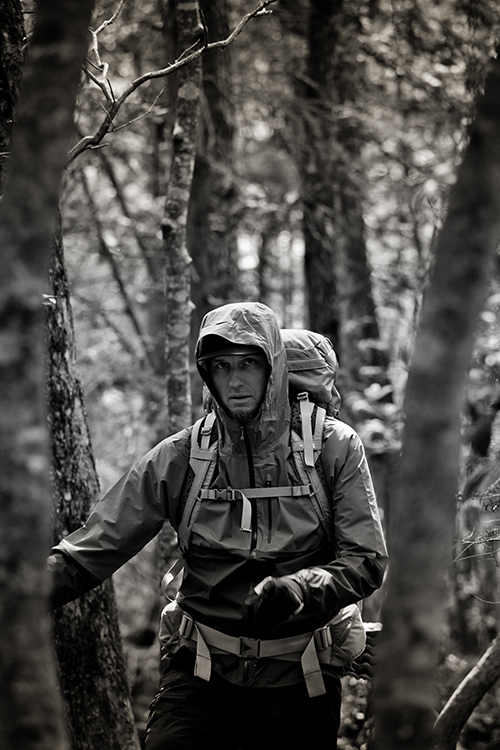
x: 247, y: 647
x: 169, y: 576
x: 306, y: 645
x: 306, y: 410
x: 201, y: 450
x: 312, y: 670
x: 230, y: 494
x: 246, y: 514
x: 319, y: 426
x: 203, y: 663
x: 202, y: 459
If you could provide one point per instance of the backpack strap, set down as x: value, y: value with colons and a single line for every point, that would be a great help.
x: 253, y: 493
x: 311, y: 442
x: 306, y: 412
x: 203, y: 460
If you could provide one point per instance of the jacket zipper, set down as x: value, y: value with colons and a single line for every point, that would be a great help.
x: 269, y: 513
x: 251, y: 478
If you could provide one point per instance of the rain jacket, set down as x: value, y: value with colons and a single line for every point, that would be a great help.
x: 222, y: 562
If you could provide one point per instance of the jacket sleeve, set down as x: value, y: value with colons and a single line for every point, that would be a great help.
x: 122, y: 522
x: 361, y: 554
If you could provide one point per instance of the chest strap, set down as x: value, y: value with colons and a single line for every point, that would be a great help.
x: 308, y: 648
x: 245, y: 495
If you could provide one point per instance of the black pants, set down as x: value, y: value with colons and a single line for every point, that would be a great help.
x: 191, y: 714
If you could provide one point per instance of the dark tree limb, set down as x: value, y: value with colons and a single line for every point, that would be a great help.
x: 467, y: 696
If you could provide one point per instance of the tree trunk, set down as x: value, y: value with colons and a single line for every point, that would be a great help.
x: 178, y: 261
x: 338, y: 281
x: 211, y: 231
x: 86, y: 632
x: 11, y: 68
x: 425, y: 507
x: 30, y: 709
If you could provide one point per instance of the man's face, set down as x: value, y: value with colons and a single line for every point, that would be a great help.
x: 240, y: 382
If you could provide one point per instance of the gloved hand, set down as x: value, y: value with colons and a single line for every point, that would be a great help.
x: 273, y: 602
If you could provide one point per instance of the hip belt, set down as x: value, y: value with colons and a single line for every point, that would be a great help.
x: 308, y: 648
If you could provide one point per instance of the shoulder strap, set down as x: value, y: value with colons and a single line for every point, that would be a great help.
x: 306, y: 451
x: 203, y: 460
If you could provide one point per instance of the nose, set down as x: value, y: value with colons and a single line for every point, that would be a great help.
x: 235, y: 378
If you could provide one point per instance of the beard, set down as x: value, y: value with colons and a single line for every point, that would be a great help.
x: 243, y: 415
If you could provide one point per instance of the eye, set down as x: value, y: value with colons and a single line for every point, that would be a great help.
x: 218, y: 365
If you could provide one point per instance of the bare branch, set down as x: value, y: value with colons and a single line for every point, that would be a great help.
x: 139, y: 117
x: 128, y: 305
x: 106, y: 126
x: 112, y: 19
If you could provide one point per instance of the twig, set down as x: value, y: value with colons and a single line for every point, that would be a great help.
x: 113, y: 17
x: 139, y: 117
x: 129, y: 308
x: 114, y: 105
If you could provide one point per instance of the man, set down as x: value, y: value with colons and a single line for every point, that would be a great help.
x: 260, y: 570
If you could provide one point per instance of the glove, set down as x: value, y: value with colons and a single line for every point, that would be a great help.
x: 273, y: 602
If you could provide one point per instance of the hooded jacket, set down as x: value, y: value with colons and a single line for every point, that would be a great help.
x: 223, y: 563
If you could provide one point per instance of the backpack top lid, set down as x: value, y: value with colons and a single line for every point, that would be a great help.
x: 312, y: 367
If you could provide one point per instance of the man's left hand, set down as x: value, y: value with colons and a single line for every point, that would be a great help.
x: 273, y: 602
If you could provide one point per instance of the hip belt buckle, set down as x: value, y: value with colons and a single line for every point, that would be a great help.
x: 249, y: 648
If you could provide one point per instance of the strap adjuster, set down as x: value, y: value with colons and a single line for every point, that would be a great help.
x: 249, y: 648
x: 323, y: 638
x: 186, y: 626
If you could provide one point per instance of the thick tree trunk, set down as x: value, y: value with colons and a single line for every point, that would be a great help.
x: 424, y: 513
x: 86, y: 632
x: 211, y: 233
x: 178, y: 261
x: 211, y: 239
x: 30, y: 710
x: 338, y: 281
x: 327, y: 146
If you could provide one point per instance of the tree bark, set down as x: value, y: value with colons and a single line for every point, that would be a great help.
x: 425, y: 506
x: 86, y: 633
x: 11, y: 68
x: 466, y: 697
x: 177, y: 258
x: 211, y: 236
x: 338, y: 282
x: 211, y: 232
x: 178, y: 261
x: 30, y: 709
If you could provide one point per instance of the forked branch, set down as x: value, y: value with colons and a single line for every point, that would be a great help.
x: 187, y: 57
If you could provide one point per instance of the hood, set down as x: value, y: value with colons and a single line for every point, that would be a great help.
x: 253, y: 324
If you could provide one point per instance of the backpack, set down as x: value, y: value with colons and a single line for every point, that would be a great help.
x: 312, y: 367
